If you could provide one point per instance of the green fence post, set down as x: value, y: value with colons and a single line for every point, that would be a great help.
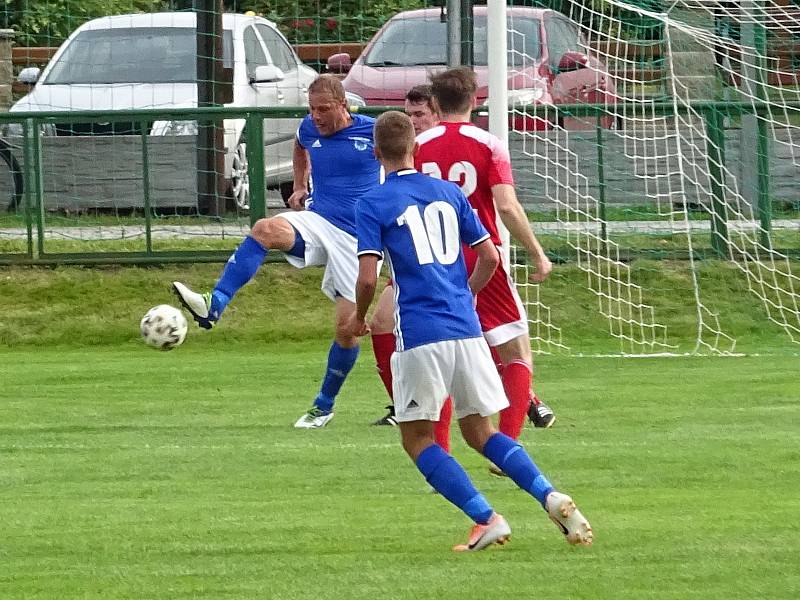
x: 28, y: 175
x: 601, y: 194
x: 764, y: 204
x: 716, y: 159
x: 254, y: 131
x: 34, y: 171
x: 148, y: 216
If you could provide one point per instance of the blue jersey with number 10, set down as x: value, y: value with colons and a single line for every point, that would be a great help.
x: 420, y: 223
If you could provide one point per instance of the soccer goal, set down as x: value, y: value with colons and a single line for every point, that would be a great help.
x: 660, y: 171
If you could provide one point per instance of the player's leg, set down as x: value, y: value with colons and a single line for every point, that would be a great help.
x: 505, y: 326
x: 515, y: 355
x: 328, y: 245
x: 512, y: 458
x: 419, y: 396
x: 478, y: 394
x: 441, y: 428
x: 381, y: 328
x: 342, y: 356
x: 448, y: 477
x: 267, y: 234
x: 383, y: 345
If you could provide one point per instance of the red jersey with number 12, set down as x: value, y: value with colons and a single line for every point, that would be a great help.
x: 470, y: 157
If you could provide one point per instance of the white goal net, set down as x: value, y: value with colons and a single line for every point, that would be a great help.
x: 673, y: 194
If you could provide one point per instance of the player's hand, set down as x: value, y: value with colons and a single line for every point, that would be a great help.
x: 543, y: 266
x: 357, y: 327
x: 297, y: 201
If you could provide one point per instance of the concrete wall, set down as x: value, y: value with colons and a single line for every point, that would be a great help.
x: 564, y: 166
x: 106, y: 172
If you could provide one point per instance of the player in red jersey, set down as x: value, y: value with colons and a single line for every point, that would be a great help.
x: 479, y: 162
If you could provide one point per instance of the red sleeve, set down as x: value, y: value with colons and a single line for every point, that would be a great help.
x: 499, y: 164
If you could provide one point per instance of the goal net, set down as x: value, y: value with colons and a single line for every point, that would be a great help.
x: 665, y: 182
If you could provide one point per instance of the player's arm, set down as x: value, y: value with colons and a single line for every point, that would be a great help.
x: 301, y: 169
x: 365, y: 291
x: 488, y: 259
x: 516, y: 221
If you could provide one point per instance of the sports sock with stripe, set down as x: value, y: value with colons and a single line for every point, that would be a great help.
x: 240, y: 268
x: 448, y: 478
x: 340, y: 363
x: 518, y: 465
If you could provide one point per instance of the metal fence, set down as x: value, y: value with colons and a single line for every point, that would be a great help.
x: 133, y: 198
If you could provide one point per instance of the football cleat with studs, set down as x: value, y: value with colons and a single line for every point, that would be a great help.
x: 197, y: 304
x: 496, y: 531
x: 568, y: 519
x: 389, y: 419
x: 541, y: 415
x: 314, y: 419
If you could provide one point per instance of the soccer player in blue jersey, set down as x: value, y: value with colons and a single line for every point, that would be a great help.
x: 336, y: 149
x: 418, y: 223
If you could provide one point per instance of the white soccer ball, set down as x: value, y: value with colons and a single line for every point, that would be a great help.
x: 164, y: 327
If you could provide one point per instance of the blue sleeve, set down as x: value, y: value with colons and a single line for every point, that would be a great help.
x: 368, y: 228
x: 472, y: 230
x: 303, y: 131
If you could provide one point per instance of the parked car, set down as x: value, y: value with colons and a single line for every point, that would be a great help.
x: 549, y: 61
x: 149, y: 61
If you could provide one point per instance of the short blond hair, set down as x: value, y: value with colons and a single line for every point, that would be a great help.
x: 394, y: 135
x: 329, y: 84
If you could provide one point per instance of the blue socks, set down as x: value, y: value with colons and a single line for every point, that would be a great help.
x: 340, y: 362
x: 515, y: 462
x: 449, y: 479
x: 240, y: 268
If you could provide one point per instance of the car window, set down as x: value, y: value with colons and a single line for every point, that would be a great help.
x: 227, y: 49
x: 128, y: 55
x: 561, y: 38
x: 282, y: 55
x: 254, y: 55
x: 409, y: 42
x: 524, y: 42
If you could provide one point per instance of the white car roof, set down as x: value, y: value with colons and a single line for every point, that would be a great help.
x: 166, y: 19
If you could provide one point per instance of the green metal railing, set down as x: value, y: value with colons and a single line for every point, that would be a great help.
x: 34, y: 205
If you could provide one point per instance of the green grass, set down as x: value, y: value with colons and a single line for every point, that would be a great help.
x: 129, y: 473
x: 63, y: 306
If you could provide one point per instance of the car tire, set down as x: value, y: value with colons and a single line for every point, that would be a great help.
x: 239, y: 179
x: 15, y: 172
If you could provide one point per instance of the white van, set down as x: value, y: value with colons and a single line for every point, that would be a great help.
x: 149, y: 61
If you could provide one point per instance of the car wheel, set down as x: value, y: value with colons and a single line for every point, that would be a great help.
x: 240, y: 178
x: 15, y: 176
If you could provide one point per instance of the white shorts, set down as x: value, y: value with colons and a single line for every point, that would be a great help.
x: 328, y: 246
x: 424, y: 376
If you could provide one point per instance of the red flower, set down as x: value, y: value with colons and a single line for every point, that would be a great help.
x: 331, y: 24
x: 309, y: 22
x: 296, y: 24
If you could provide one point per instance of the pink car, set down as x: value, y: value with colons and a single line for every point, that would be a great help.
x: 548, y: 62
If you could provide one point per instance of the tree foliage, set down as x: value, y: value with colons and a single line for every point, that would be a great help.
x: 49, y: 22
x: 310, y: 21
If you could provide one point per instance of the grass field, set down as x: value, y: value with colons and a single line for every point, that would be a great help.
x: 130, y: 473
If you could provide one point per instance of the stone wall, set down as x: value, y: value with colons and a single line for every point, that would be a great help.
x: 6, y: 68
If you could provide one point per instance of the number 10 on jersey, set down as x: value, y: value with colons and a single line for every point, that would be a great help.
x: 434, y: 232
